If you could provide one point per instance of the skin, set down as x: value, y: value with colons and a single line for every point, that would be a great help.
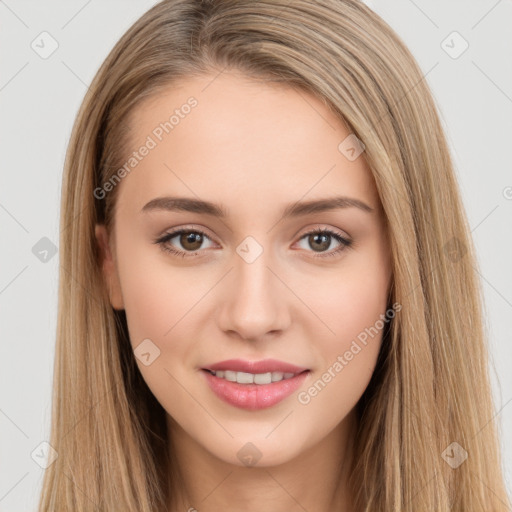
x: 254, y: 148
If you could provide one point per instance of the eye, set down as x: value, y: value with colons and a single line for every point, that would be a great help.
x: 189, y: 239
x: 321, y: 239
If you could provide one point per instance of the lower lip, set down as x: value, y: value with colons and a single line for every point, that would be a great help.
x: 254, y: 397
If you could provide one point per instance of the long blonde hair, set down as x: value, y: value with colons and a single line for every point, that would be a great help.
x: 431, y: 386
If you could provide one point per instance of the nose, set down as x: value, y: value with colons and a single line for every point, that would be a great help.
x: 255, y: 301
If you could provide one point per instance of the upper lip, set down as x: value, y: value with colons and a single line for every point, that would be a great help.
x: 263, y: 366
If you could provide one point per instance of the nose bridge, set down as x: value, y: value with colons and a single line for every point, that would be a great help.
x: 254, y: 303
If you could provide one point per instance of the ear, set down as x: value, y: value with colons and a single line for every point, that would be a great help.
x: 109, y: 267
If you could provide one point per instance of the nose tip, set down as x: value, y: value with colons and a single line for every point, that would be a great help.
x: 253, y: 304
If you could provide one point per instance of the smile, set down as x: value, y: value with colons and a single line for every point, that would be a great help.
x: 252, y: 378
x: 253, y: 391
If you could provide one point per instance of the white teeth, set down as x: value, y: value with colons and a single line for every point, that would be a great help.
x: 244, y: 378
x: 263, y: 378
x: 229, y: 375
x: 251, y: 378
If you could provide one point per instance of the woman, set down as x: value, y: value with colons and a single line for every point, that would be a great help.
x: 267, y: 298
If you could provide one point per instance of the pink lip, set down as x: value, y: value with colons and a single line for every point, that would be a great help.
x: 264, y: 366
x: 253, y: 397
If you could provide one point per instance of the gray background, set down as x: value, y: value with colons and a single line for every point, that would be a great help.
x: 39, y: 98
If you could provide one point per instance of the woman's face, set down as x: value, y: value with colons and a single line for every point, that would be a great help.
x: 258, y: 282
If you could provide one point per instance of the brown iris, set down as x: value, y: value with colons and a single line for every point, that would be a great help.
x: 322, y: 239
x: 194, y: 239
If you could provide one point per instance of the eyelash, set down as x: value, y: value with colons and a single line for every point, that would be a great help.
x: 162, y: 241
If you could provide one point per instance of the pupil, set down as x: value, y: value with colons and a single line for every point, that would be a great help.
x: 191, y: 238
x: 324, y: 244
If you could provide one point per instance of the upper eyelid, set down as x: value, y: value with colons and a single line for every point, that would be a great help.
x: 319, y: 227
x: 174, y: 232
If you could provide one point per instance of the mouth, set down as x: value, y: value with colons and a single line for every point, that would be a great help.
x: 255, y: 367
x: 259, y: 379
x: 269, y: 382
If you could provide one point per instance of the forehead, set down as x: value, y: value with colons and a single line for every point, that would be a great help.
x: 219, y: 134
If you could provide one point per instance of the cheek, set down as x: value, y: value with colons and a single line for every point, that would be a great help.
x: 354, y: 317
x: 353, y: 313
x: 150, y: 306
x: 156, y: 296
x: 159, y: 304
x: 350, y: 300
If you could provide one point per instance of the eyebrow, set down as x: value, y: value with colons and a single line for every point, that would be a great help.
x: 297, y: 209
